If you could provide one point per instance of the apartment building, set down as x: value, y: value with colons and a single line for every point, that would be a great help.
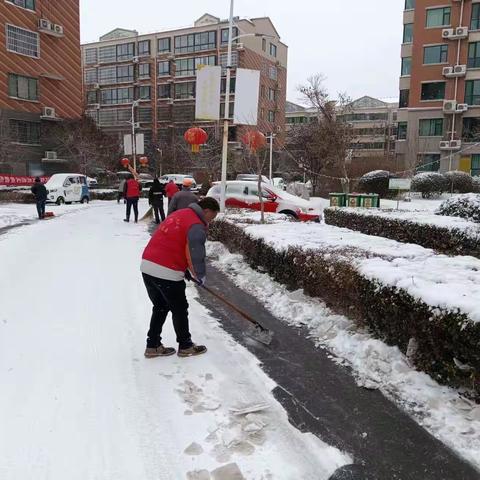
x: 374, y: 124
x: 40, y: 81
x: 151, y: 78
x: 439, y: 114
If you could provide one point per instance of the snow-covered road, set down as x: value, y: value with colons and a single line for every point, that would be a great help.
x: 78, y: 400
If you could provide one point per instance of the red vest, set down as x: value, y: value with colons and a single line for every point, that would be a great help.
x: 169, y: 245
x: 133, y: 188
x: 171, y: 189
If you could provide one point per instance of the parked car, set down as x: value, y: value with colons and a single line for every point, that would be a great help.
x: 249, y: 177
x: 279, y: 182
x: 178, y: 179
x: 146, y: 180
x: 244, y: 194
x: 67, y: 188
x: 92, y: 182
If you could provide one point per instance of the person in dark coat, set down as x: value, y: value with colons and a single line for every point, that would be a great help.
x: 41, y: 195
x: 131, y: 193
x: 155, y: 199
x: 184, y: 198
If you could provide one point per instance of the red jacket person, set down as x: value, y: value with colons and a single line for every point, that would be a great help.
x: 175, y: 252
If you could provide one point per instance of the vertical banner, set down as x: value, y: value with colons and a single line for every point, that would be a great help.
x: 246, y: 97
x: 140, y: 144
x: 207, y: 101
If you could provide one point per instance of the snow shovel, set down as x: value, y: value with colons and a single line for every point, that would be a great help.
x: 258, y: 332
x: 147, y: 215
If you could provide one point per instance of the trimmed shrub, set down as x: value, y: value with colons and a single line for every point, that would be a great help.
x: 429, y: 184
x: 95, y: 195
x: 375, y: 182
x: 476, y: 184
x: 464, y: 206
x: 461, y: 182
x: 451, y: 241
x: 390, y: 313
x: 16, y: 196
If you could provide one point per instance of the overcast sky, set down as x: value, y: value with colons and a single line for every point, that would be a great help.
x: 355, y: 44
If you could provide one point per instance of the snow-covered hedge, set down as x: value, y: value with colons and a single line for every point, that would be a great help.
x: 429, y: 184
x: 16, y: 196
x: 464, y: 206
x: 375, y: 182
x: 447, y: 339
x: 454, y: 239
x: 459, y: 182
x: 476, y: 184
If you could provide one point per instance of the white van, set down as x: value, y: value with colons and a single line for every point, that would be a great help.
x: 67, y: 188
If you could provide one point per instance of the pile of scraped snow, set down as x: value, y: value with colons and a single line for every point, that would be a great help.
x: 450, y: 283
x: 439, y: 409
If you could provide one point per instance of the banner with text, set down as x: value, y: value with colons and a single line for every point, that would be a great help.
x: 19, y: 181
x: 207, y: 96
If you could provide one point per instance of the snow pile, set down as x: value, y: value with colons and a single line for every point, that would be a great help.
x: 464, y: 206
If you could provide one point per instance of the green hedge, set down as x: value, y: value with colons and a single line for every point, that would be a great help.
x: 445, y: 240
x: 390, y: 313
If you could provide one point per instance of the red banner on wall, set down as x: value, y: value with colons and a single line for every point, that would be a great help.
x: 19, y: 181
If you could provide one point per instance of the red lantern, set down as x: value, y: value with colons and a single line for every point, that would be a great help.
x: 125, y: 162
x: 143, y: 161
x: 196, y: 137
x: 254, y: 140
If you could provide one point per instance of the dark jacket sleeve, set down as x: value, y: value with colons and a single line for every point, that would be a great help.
x: 34, y: 190
x: 125, y: 187
x: 150, y: 196
x: 197, y: 236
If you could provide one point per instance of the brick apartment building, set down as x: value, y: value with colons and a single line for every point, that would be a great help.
x: 439, y: 115
x: 40, y: 80
x: 154, y: 76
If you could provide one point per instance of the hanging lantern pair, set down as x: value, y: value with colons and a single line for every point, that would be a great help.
x: 125, y: 162
x: 196, y: 137
x: 254, y: 140
x: 143, y: 161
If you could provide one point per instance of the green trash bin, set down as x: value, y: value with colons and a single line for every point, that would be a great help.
x: 369, y: 201
x: 338, y: 199
x: 353, y: 200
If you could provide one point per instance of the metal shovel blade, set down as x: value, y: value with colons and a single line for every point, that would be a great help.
x: 260, y: 334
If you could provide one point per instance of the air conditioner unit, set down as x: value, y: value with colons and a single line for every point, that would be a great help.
x: 449, y: 106
x: 444, y: 145
x: 448, y: 33
x: 450, y: 145
x: 95, y: 86
x: 48, y: 112
x: 462, y: 107
x: 51, y: 155
x: 461, y: 32
x: 95, y: 106
x: 447, y: 72
x: 170, y: 57
x: 240, y: 46
x: 136, y: 125
x: 44, y: 24
x: 279, y: 128
x: 58, y: 29
x: 136, y: 59
x: 170, y: 101
x: 460, y: 70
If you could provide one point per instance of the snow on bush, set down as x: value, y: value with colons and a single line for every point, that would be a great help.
x: 464, y: 206
x: 429, y: 184
x: 460, y: 181
x: 375, y: 182
x: 476, y: 184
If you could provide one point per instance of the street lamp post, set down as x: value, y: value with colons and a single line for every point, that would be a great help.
x: 134, y: 138
x: 271, y: 138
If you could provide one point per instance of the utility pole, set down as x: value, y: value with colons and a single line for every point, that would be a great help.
x: 134, y: 138
x: 271, y: 137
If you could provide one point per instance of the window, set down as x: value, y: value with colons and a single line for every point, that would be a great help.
x: 230, y: 111
x: 263, y: 91
x: 145, y: 114
x: 474, y: 53
x: 475, y: 166
x: 196, y: 42
x: 164, y: 45
x: 433, y: 91
x: 471, y: 129
x: 224, y: 35
x: 438, y: 17
x: 144, y: 47
x: 223, y: 61
x: 431, y: 127
x: 25, y: 132
x: 144, y: 92
x: 28, y: 4
x: 435, y: 54
x: 188, y: 66
x: 273, y: 73
x: 91, y: 76
x: 91, y: 56
x: 120, y: 74
x: 185, y: 90
x: 429, y: 162
x: 125, y: 74
x: 116, y: 96
x: 92, y: 97
x: 164, y: 90
x: 406, y: 66
x: 107, y: 54
x: 402, y: 130
x: 144, y: 70
x: 472, y: 92
x: 273, y: 50
x: 264, y: 44
x: 125, y: 51
x: 475, y: 22
x: 116, y: 116
x: 404, y: 98
x: 272, y: 94
x: 365, y: 117
x: 271, y: 116
x: 22, y: 87
x: 23, y: 41
x: 409, y: 4
x: 408, y: 33
x: 223, y: 87
x: 163, y: 68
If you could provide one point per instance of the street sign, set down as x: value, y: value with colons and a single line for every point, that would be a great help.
x: 247, y: 89
x: 207, y: 98
x: 400, y: 184
x: 139, y: 144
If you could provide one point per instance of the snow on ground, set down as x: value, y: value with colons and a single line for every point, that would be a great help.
x: 439, y: 409
x: 79, y: 401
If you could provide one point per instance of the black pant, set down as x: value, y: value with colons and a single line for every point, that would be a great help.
x: 119, y: 196
x: 156, y: 210
x: 132, y: 202
x: 167, y: 296
x: 41, y: 208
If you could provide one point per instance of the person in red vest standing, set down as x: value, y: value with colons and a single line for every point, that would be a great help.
x: 176, y: 252
x: 171, y: 189
x: 131, y: 193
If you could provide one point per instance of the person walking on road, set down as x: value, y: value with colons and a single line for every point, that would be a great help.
x: 183, y: 198
x: 155, y: 199
x: 171, y: 189
x: 121, y: 188
x: 131, y: 192
x: 176, y: 252
x: 41, y: 195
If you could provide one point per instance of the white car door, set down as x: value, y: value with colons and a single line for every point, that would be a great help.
x: 69, y: 189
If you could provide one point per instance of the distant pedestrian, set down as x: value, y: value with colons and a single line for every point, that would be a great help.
x: 184, y: 198
x: 41, y: 195
x: 121, y: 188
x: 155, y: 199
x: 131, y: 192
x: 171, y: 189
x: 176, y: 252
